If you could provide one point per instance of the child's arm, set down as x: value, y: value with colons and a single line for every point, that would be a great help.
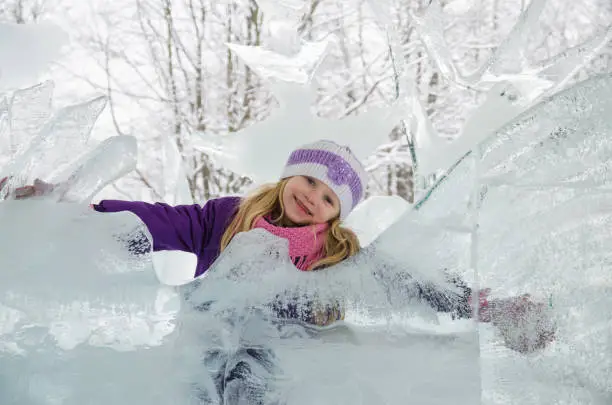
x: 402, y: 288
x: 308, y: 310
x: 182, y: 227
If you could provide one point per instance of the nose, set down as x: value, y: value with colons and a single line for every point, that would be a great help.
x: 313, y: 196
x: 309, y: 197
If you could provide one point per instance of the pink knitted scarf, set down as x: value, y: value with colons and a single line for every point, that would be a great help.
x: 306, y: 243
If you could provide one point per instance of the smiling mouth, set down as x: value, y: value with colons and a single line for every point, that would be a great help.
x: 302, y: 206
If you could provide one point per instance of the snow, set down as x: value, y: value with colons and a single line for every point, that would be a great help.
x: 83, y: 320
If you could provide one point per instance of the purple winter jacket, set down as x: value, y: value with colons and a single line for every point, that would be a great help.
x: 190, y: 228
x: 196, y: 229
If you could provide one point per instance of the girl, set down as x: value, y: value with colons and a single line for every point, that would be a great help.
x: 321, y: 184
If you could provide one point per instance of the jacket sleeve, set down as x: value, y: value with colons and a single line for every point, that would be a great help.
x: 182, y: 227
x: 402, y: 289
x: 308, y: 310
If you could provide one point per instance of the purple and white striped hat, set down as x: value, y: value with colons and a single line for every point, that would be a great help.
x: 334, y: 165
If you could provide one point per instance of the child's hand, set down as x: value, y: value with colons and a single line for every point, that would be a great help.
x: 484, y: 310
x: 524, y: 325
x: 3, y: 182
x: 39, y: 188
x: 328, y: 315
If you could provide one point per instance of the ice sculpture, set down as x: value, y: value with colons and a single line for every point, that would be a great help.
x: 541, y: 204
x: 54, y: 146
x: 260, y: 150
x: 286, y: 57
x: 513, y: 82
x: 524, y: 210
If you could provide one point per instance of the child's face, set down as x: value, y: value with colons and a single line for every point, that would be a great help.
x: 309, y: 201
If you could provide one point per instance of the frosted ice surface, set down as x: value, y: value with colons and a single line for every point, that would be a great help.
x: 89, y: 375
x: 430, y: 28
x: 271, y: 64
x: 516, y: 82
x: 458, y: 7
x: 46, y: 155
x: 346, y: 363
x: 76, y: 304
x: 29, y: 109
x: 222, y: 320
x: 111, y: 159
x: 283, y: 20
x: 174, y: 267
x: 286, y: 57
x: 562, y: 142
x: 563, y: 66
x: 509, y: 57
x: 503, y: 103
x: 79, y: 279
x: 54, y: 146
x: 543, y: 228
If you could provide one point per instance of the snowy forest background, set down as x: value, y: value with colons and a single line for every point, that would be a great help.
x: 169, y: 75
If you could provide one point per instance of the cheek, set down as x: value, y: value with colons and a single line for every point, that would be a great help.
x: 286, y: 196
x: 330, y: 213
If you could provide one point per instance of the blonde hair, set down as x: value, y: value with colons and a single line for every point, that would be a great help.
x: 340, y: 243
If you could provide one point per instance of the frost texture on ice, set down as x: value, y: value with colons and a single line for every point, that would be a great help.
x: 541, y: 190
x: 74, y: 288
x: 73, y: 297
x: 39, y: 143
x: 513, y: 82
x: 82, y: 287
x: 93, y: 296
x: 544, y: 217
x: 545, y: 221
x: 297, y: 68
x: 223, y: 315
x: 286, y: 56
x: 255, y: 271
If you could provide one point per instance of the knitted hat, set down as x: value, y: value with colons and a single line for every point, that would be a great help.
x: 334, y: 165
